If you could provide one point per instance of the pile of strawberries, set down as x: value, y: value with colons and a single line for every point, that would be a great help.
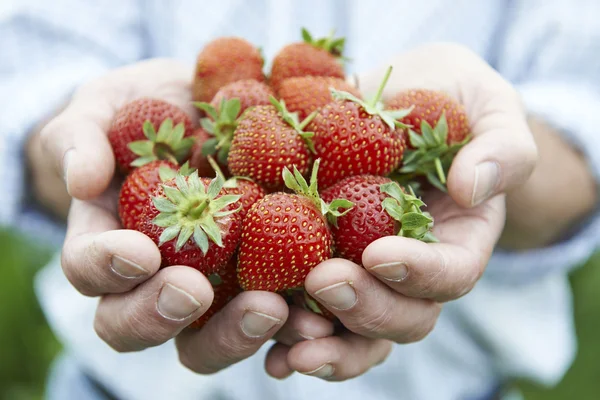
x: 282, y: 171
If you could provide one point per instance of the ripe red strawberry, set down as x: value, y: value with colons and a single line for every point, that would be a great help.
x: 314, y: 57
x: 284, y: 236
x: 222, y: 61
x: 268, y: 139
x: 249, y: 92
x: 249, y: 190
x: 194, y: 222
x: 353, y: 137
x: 305, y: 94
x: 225, y: 286
x: 139, y: 185
x: 222, y: 118
x: 134, y: 139
x: 381, y: 208
x: 440, y: 127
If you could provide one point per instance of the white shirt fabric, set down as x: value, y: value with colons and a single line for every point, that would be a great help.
x: 517, y: 321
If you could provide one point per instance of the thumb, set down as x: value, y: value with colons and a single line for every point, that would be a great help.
x: 501, y: 155
x: 77, y: 145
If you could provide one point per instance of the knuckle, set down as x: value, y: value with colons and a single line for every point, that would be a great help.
x: 423, y: 328
x: 48, y: 131
x: 228, y: 347
x: 428, y: 283
x: 374, y: 324
x: 191, y: 361
x: 105, y: 332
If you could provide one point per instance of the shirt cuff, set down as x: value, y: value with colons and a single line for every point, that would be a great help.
x: 573, y: 110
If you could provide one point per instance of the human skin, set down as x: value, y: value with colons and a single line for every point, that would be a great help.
x: 395, y: 298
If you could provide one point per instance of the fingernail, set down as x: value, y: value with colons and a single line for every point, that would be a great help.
x: 340, y: 295
x: 324, y: 371
x: 255, y: 324
x: 126, y: 268
x: 174, y: 303
x: 65, y: 166
x: 394, y: 271
x: 487, y: 175
x: 305, y: 336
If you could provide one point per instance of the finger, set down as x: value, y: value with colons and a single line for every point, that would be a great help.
x: 154, y: 312
x: 439, y: 271
x: 303, y: 325
x: 76, y: 142
x: 501, y: 155
x: 97, y: 259
x: 233, y: 334
x: 368, y: 307
x: 276, y: 361
x: 338, y: 358
x: 76, y: 139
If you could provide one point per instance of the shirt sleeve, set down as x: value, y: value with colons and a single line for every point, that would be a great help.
x: 550, y: 51
x: 48, y: 49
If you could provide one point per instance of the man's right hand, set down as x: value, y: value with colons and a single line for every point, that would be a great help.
x: 142, y: 306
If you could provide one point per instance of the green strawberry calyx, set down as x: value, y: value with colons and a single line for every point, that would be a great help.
x: 168, y: 143
x: 189, y: 210
x: 375, y: 106
x: 331, y: 44
x: 221, y: 124
x: 432, y: 155
x: 291, y: 118
x: 230, y: 183
x: 406, y: 209
x: 166, y: 173
x: 298, y: 184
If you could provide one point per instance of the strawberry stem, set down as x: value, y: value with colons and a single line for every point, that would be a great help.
x: 440, y: 170
x: 215, y: 166
x: 197, y: 211
x: 379, y: 93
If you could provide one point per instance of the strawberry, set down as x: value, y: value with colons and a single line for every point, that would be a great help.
x: 249, y: 190
x: 314, y: 57
x: 140, y: 184
x: 222, y: 119
x: 225, y: 287
x: 439, y: 129
x: 194, y: 222
x: 284, y: 236
x: 381, y: 208
x: 268, y: 139
x: 305, y: 94
x: 133, y: 133
x: 222, y: 61
x: 249, y: 92
x: 353, y: 137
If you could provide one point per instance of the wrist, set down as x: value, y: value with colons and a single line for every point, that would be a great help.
x: 558, y: 196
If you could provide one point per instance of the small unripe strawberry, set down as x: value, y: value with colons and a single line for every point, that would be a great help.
x: 311, y: 57
x: 222, y: 61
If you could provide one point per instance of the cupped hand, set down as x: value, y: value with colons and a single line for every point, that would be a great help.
x: 396, y: 295
x: 142, y: 305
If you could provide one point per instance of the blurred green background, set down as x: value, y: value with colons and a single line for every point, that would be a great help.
x: 27, y: 345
